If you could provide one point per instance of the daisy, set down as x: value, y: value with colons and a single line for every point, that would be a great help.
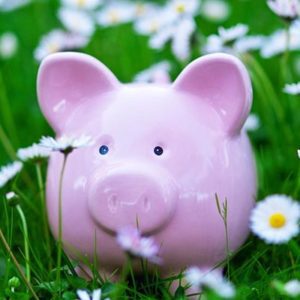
x: 33, y: 153
x: 287, y: 9
x: 179, y: 33
x: 212, y: 280
x: 292, y: 89
x: 181, y: 42
x: 77, y: 21
x: 276, y: 43
x: 116, y: 12
x: 248, y: 43
x: 215, y: 10
x: 215, y: 44
x: 82, y: 4
x: 275, y: 219
x: 292, y: 288
x: 131, y: 241
x: 58, y: 40
x: 142, y: 9
x: 66, y: 144
x: 8, y: 45
x: 158, y: 73
x: 183, y: 8
x: 8, y: 172
x: 84, y: 295
x: 252, y: 123
x: 231, y: 40
x: 152, y: 22
x: 298, y: 153
x: 233, y: 33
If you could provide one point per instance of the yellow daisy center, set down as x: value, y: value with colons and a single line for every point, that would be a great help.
x: 140, y: 9
x: 114, y: 16
x: 153, y: 26
x: 81, y: 2
x: 277, y: 220
x: 180, y: 8
x: 52, y: 48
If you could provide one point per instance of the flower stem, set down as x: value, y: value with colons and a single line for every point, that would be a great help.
x: 9, y: 149
x: 132, y: 274
x: 43, y: 205
x: 285, y: 56
x: 6, y: 246
x: 223, y: 212
x: 59, y: 242
x: 26, y: 241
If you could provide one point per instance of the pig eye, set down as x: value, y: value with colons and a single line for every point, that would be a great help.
x: 158, y: 150
x: 103, y: 150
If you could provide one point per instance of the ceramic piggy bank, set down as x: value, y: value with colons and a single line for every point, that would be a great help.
x: 161, y: 154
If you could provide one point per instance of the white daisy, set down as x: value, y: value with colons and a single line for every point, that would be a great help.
x: 276, y: 43
x: 131, y: 241
x: 9, y: 5
x: 183, y: 8
x: 34, y: 152
x: 252, y: 123
x: 58, y: 40
x: 214, y: 44
x: 181, y: 43
x: 116, y: 12
x: 275, y: 219
x: 179, y: 33
x: 142, y: 9
x: 215, y: 10
x: 82, y: 4
x: 292, y: 288
x: 194, y: 276
x: 66, y: 144
x: 212, y: 280
x: 8, y: 45
x: 77, y: 21
x: 8, y: 172
x: 84, y: 295
x: 233, y: 33
x: 248, y: 43
x: 287, y: 9
x: 152, y: 22
x: 292, y: 89
x: 156, y: 73
x: 232, y: 40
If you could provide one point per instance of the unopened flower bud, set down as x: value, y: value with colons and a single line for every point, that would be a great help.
x: 12, y: 199
x: 14, y: 282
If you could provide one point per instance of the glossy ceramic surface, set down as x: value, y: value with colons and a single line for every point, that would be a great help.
x: 197, y: 121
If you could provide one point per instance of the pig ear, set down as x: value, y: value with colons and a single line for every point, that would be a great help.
x: 66, y: 80
x: 223, y: 81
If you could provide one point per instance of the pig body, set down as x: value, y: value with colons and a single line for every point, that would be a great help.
x: 168, y: 150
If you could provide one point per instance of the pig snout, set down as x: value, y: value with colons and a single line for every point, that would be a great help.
x: 132, y: 197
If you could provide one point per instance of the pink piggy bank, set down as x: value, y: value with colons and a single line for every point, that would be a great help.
x: 161, y: 153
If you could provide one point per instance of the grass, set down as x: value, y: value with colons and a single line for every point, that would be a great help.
x: 254, y: 268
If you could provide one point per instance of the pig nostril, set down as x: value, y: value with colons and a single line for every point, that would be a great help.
x: 113, y: 203
x: 146, y: 204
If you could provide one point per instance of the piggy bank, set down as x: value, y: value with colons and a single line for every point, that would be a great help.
x: 161, y: 154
